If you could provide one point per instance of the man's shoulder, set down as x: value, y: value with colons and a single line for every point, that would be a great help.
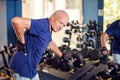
x: 40, y: 19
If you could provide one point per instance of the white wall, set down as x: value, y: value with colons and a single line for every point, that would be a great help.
x: 32, y: 8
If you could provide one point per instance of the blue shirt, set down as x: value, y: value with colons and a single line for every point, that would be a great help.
x: 36, y: 41
x: 114, y: 30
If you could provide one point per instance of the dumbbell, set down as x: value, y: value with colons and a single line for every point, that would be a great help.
x: 92, y: 25
x: 9, y: 50
x: 4, y: 49
x: 79, y: 45
x: 89, y: 24
x: 66, y: 65
x: 90, y: 34
x: 62, y: 64
x: 95, y: 24
x: 91, y: 43
x: 47, y: 57
x: 56, y: 62
x: 63, y: 47
x: 77, y: 31
x: 73, y: 25
x: 70, y: 32
x: 78, y: 60
x: 112, y: 71
x: 73, y: 61
x: 12, y: 49
x: 99, y: 32
x: 113, y: 68
x: 86, y: 53
x: 65, y: 39
x: 95, y: 55
x: 79, y: 39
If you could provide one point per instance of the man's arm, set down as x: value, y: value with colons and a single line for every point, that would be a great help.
x: 20, y: 24
x: 55, y: 49
x: 103, y: 43
x: 103, y: 39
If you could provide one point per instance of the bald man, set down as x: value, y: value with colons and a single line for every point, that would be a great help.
x: 34, y: 35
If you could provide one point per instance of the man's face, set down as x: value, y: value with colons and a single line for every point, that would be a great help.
x: 59, y: 23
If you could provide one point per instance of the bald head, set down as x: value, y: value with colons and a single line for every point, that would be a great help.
x: 58, y: 20
x: 61, y: 13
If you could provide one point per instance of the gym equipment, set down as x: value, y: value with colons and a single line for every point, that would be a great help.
x: 92, y: 75
x: 90, y: 34
x: 81, y: 72
x: 47, y: 57
x: 111, y: 72
x: 74, y: 28
x: 88, y: 72
x: 12, y: 49
x: 4, y: 76
x: 91, y: 43
x: 56, y: 62
x: 78, y: 60
x: 95, y: 55
x: 104, y: 59
x: 68, y: 32
x: 72, y: 60
x: 85, y: 53
x: 65, y: 39
x: 66, y: 65
x: 92, y: 25
x: 66, y: 62
x: 4, y: 69
x: 63, y: 47
x: 113, y: 68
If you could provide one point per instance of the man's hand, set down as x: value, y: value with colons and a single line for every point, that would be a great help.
x: 21, y: 46
x: 104, y: 50
x: 66, y: 64
x: 65, y: 57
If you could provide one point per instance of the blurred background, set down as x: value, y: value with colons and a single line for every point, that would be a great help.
x: 103, y: 11
x: 93, y: 14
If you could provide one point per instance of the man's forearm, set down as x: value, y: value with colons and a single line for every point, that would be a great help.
x: 55, y: 49
x: 103, y: 39
x: 19, y: 32
x: 19, y: 25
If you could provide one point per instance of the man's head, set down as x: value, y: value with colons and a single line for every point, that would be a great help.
x: 58, y: 20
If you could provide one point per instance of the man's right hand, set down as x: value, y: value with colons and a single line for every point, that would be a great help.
x: 65, y: 57
x: 21, y: 46
x: 104, y: 51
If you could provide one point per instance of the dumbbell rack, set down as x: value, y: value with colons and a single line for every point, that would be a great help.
x: 4, y: 75
x: 55, y: 72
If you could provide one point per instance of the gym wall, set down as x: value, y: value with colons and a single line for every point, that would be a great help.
x: 3, y: 25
